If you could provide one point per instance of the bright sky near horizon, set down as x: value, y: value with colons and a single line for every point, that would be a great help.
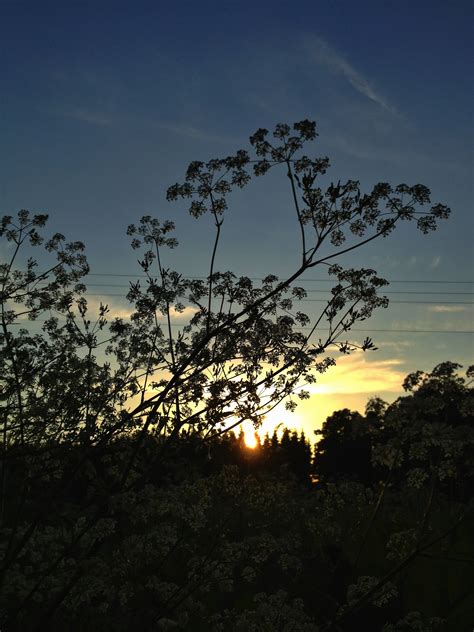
x: 103, y: 105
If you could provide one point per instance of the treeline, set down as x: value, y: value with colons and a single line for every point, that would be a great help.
x: 429, y: 429
x: 286, y: 454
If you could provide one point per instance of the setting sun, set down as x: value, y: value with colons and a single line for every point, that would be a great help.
x: 250, y: 439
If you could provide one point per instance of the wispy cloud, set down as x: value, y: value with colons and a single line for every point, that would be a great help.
x: 122, y: 309
x: 353, y: 374
x: 117, y: 308
x: 447, y: 309
x: 350, y: 384
x: 321, y: 53
x: 183, y: 316
x: 399, y: 346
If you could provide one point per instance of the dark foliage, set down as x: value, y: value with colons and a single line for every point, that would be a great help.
x: 127, y: 504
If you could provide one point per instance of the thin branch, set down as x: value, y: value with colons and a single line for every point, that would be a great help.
x: 298, y: 212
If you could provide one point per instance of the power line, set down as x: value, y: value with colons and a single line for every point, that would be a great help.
x: 370, y: 331
x: 409, y: 292
x: 400, y: 281
x: 144, y: 276
x: 320, y: 300
x: 417, y: 292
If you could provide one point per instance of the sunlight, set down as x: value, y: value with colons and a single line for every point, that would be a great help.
x: 280, y: 418
x: 277, y: 419
x: 250, y: 439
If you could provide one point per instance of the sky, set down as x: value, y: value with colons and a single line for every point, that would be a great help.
x: 104, y: 104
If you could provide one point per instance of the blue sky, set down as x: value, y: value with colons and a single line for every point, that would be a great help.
x: 103, y: 105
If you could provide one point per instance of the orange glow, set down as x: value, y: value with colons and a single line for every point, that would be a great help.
x: 250, y: 440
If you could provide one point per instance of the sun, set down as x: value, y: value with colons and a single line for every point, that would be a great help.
x: 250, y: 439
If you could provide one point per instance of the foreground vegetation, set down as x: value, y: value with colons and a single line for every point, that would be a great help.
x: 373, y: 532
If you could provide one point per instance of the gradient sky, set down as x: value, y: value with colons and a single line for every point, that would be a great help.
x: 103, y: 105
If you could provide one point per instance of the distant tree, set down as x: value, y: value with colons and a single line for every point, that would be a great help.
x: 298, y: 457
x: 375, y: 410
x: 417, y: 524
x: 344, y: 449
x: 428, y: 435
x: 245, y: 348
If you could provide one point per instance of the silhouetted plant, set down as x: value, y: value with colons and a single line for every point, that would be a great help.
x: 77, y: 426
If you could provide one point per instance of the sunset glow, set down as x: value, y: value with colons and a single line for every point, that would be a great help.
x: 250, y: 440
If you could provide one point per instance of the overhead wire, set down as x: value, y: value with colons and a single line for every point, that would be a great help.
x: 440, y: 292
x: 374, y: 330
x: 428, y: 281
x: 310, y: 300
x: 320, y: 300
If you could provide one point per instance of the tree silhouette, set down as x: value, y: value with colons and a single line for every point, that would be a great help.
x: 345, y: 448
x: 428, y: 435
